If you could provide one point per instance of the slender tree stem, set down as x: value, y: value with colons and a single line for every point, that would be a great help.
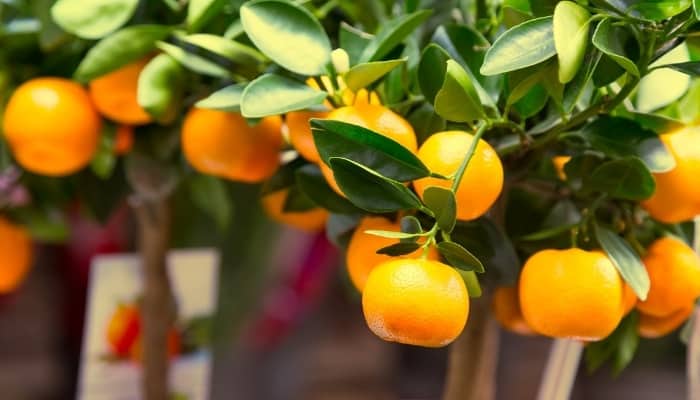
x: 560, y: 371
x: 473, y: 357
x: 470, y: 153
x: 158, y: 307
x: 693, y: 357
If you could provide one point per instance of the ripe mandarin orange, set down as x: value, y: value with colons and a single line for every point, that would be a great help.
x: 674, y: 274
x: 377, y: 118
x: 15, y: 255
x: 300, y: 133
x: 629, y: 299
x: 414, y: 301
x: 223, y: 144
x: 52, y: 127
x: 123, y: 329
x: 482, y: 182
x: 677, y: 197
x: 123, y: 140
x: 559, y: 163
x: 571, y: 293
x: 361, y: 256
x: 506, y: 309
x: 651, y: 327
x: 312, y: 220
x: 115, y: 94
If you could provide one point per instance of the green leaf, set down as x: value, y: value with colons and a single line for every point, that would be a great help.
x: 653, y: 10
x: 656, y: 123
x: 622, y: 137
x: 287, y: 33
x: 619, y: 345
x: 340, y: 227
x: 193, y: 62
x: 44, y: 225
x: 457, y: 99
x: 399, y: 249
x: 610, y: 39
x: 662, y: 87
x: 471, y: 282
x: 92, y: 19
x: 225, y: 99
x: 120, y: 48
x: 425, y: 121
x: 378, y: 152
x: 160, y: 88
x: 199, y: 12
x: 606, y: 71
x: 691, y: 68
x: 627, y: 178
x: 431, y: 70
x: 459, y: 257
x: 696, y: 8
x: 363, y: 75
x: 521, y: 46
x: 371, y: 191
x: 104, y: 160
x: 209, y: 195
x: 468, y: 47
x: 297, y: 201
x: 548, y: 233
x: 625, y: 260
x: 311, y: 181
x: 533, y: 101
x: 570, y: 25
x: 273, y: 94
x: 575, y: 89
x: 353, y: 41
x: 238, y: 54
x: 410, y: 224
x: 391, y: 234
x: 443, y: 204
x: 391, y: 34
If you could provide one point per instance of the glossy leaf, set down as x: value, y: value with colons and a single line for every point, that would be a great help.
x: 92, y: 19
x: 662, y: 87
x: 353, y: 41
x: 391, y: 234
x: 194, y: 62
x: 363, y: 75
x: 656, y: 123
x: 459, y: 257
x: 399, y: 249
x: 410, y: 224
x: 118, y: 49
x: 425, y: 121
x: 288, y: 34
x: 623, y: 137
x: 457, y: 99
x: 533, y: 102
x: 391, y: 34
x: 297, y: 201
x: 160, y: 88
x: 570, y: 25
x: 199, y: 12
x: 626, y: 178
x: 443, y: 204
x: 653, y: 10
x: 575, y: 89
x: 105, y: 159
x: 237, y: 53
x: 209, y: 195
x: 273, y: 94
x: 311, y: 181
x: 378, y: 152
x: 609, y: 39
x: 369, y: 190
x: 625, y: 260
x: 696, y: 8
x: 431, y: 70
x: 521, y: 46
x: 471, y: 282
x: 225, y: 99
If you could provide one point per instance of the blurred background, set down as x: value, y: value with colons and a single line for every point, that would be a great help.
x: 289, y: 324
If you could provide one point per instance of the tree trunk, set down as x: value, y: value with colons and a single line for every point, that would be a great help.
x: 158, y: 305
x: 473, y: 358
x: 560, y: 371
x: 693, y: 355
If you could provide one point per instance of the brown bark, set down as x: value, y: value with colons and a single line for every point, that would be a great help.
x: 693, y: 355
x: 158, y: 306
x: 473, y: 357
x: 560, y: 371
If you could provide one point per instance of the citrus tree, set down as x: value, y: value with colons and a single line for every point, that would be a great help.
x: 537, y: 155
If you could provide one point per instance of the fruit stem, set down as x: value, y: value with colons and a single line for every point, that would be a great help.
x: 483, y: 126
x: 560, y: 371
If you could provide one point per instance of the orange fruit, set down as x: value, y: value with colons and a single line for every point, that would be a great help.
x: 414, y: 301
x: 222, y: 144
x: 677, y: 198
x: 674, y: 274
x: 629, y: 299
x: 361, y: 256
x: 123, y: 140
x: 651, y: 327
x: 300, y: 133
x: 312, y: 220
x: 115, y: 94
x: 377, y: 118
x: 571, y: 293
x: 482, y: 182
x: 123, y: 330
x: 506, y: 309
x: 15, y: 255
x: 559, y: 163
x: 52, y: 127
